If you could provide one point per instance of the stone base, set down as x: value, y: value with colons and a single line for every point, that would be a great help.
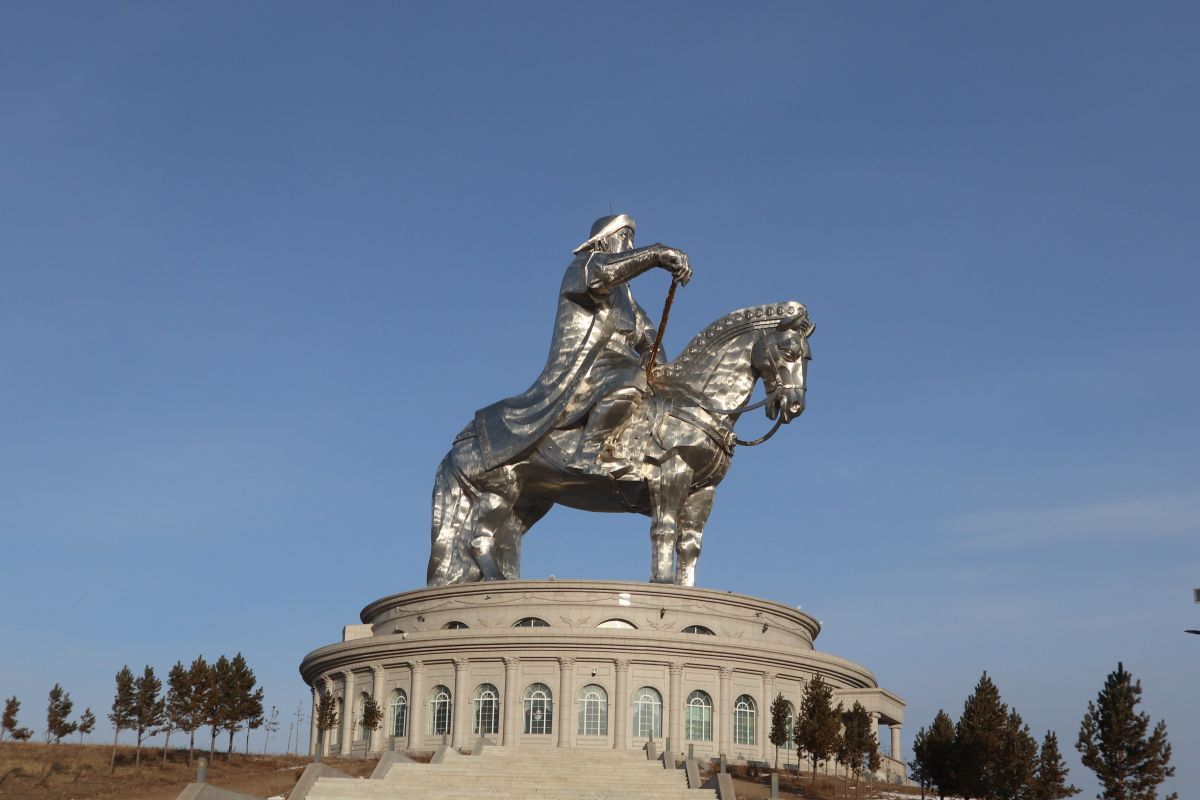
x: 693, y: 647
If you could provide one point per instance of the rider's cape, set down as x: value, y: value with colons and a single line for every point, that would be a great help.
x: 597, y: 333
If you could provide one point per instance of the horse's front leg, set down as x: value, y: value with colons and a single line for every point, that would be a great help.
x: 692, y: 518
x: 492, y: 512
x: 667, y: 495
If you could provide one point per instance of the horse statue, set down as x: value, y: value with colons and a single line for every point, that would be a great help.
x: 681, y: 437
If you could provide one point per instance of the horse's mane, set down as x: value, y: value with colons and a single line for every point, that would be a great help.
x: 729, y: 327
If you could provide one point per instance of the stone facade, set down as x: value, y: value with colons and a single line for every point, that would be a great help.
x: 581, y: 664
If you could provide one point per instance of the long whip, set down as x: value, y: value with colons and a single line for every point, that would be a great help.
x: 662, y: 328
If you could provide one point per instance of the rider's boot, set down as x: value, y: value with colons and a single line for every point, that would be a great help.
x: 596, y: 451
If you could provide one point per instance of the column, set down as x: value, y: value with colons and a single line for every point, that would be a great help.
x: 620, y: 706
x: 895, y: 730
x: 508, y: 711
x: 327, y: 686
x: 376, y: 743
x: 566, y: 700
x: 416, y: 705
x: 764, y: 717
x: 673, y: 707
x: 723, y: 715
x: 312, y: 727
x: 462, y: 705
x: 874, y: 727
x: 348, y: 713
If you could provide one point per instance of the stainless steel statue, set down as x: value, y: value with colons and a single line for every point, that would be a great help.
x: 604, y: 428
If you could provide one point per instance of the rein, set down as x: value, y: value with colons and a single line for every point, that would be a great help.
x: 662, y: 328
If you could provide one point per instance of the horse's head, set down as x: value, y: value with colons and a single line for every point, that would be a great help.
x: 780, y: 357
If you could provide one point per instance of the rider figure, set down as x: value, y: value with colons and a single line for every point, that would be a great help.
x: 596, y: 365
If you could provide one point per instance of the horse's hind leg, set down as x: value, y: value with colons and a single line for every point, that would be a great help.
x: 667, y: 496
x: 692, y: 518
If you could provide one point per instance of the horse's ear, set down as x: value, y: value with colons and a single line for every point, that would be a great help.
x: 812, y: 328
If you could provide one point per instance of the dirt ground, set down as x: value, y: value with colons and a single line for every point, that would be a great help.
x: 74, y: 772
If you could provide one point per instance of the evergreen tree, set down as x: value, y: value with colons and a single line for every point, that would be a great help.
x: 1013, y: 777
x: 327, y: 719
x: 148, y: 708
x: 858, y: 749
x: 123, y: 712
x: 818, y: 723
x: 372, y: 716
x: 1050, y: 775
x: 87, y: 724
x: 241, y: 702
x: 933, y: 754
x: 58, y: 714
x: 216, y: 700
x: 9, y: 724
x: 1113, y: 742
x: 176, y: 704
x: 781, y: 724
x: 195, y: 712
x: 978, y: 744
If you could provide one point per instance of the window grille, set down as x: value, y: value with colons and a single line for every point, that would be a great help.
x: 531, y: 622
x: 399, y: 713
x: 539, y: 709
x: 455, y: 625
x: 647, y: 712
x: 697, y: 717
x: 440, y: 708
x: 698, y: 629
x: 487, y: 710
x: 744, y: 713
x: 593, y: 711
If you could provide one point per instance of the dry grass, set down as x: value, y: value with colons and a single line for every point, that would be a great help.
x: 755, y: 785
x: 74, y: 772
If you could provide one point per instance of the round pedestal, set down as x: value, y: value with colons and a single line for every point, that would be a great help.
x: 580, y: 664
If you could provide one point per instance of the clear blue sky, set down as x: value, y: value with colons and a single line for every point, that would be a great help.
x: 262, y: 261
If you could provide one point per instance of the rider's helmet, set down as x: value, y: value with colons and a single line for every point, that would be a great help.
x: 605, y: 226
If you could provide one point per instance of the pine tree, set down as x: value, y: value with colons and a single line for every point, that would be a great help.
x: 1013, y: 777
x: 978, y: 743
x: 327, y: 719
x: 241, y: 703
x: 781, y: 724
x: 1050, y: 775
x: 176, y: 704
x: 818, y: 723
x: 9, y: 724
x: 148, y: 708
x: 87, y: 724
x: 933, y: 754
x: 196, y: 709
x: 123, y: 712
x: 1113, y: 742
x: 372, y: 716
x: 216, y: 700
x: 58, y: 713
x: 858, y: 748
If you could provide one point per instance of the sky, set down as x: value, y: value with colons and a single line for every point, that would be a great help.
x: 261, y: 262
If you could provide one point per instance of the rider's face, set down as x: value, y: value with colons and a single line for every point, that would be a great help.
x: 620, y: 242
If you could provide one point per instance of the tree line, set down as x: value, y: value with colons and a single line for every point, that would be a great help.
x: 989, y: 754
x: 221, y: 695
x: 822, y: 731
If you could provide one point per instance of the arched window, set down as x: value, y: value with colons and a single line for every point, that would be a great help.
x: 440, y: 707
x: 623, y: 624
x: 647, y: 712
x: 360, y: 730
x: 455, y: 625
x: 791, y: 726
x: 697, y: 629
x: 593, y: 711
x: 531, y: 622
x: 744, y: 713
x: 398, y: 713
x: 487, y: 710
x: 539, y: 709
x: 697, y: 717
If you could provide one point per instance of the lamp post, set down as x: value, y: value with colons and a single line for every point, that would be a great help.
x: 1196, y: 598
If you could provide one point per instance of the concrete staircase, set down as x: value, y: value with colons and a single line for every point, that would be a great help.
x: 502, y: 773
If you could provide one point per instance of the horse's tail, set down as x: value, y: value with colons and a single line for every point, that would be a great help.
x: 449, y: 560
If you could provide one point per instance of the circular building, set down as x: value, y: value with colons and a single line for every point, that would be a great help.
x: 600, y: 664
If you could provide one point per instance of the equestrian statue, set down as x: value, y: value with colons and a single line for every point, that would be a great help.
x: 610, y: 424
